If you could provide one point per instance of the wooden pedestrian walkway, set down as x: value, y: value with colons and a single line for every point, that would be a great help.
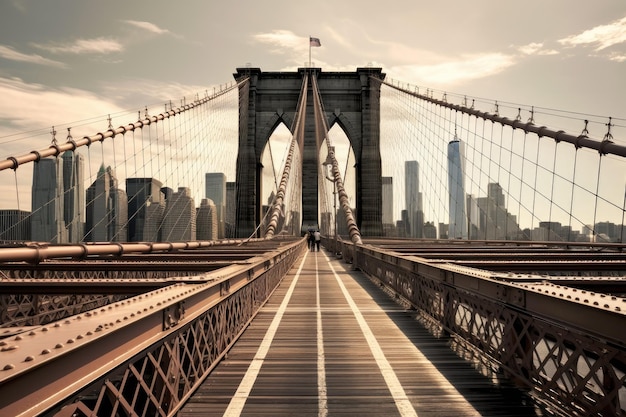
x: 329, y: 342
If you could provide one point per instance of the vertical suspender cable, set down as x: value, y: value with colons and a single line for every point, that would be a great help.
x: 298, y: 129
x: 355, y: 234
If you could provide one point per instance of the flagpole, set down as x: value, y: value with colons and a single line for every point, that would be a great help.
x: 309, y: 51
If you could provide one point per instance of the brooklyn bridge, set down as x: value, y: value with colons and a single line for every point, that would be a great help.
x: 471, y: 259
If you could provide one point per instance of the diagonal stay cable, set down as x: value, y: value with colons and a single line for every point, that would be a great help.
x: 355, y: 234
x: 297, y: 137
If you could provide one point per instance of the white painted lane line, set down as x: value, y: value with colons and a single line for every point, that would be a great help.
x: 322, y: 392
x: 235, y: 407
x: 395, y: 387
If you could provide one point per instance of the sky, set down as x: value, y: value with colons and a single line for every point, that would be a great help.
x: 64, y: 61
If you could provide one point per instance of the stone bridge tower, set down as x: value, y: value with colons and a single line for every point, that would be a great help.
x: 351, y: 99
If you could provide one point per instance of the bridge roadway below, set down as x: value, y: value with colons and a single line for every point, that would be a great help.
x: 330, y: 342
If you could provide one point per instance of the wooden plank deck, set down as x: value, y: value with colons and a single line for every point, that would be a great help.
x: 329, y: 342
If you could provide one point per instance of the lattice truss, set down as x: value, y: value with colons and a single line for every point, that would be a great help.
x: 36, y: 309
x: 578, y: 373
x: 158, y: 380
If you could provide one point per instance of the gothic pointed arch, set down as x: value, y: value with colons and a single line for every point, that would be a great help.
x: 351, y: 99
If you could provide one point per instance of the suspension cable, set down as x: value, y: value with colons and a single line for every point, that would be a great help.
x: 581, y: 141
x: 57, y: 149
x: 297, y: 137
x: 355, y: 234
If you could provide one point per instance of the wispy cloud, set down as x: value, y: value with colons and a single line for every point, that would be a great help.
x: 600, y: 37
x: 338, y: 37
x: 138, y: 92
x: 30, y: 105
x: 536, y: 48
x: 84, y: 46
x: 148, y: 27
x: 450, y: 72
x: 283, y: 41
x: 399, y: 58
x: 9, y: 53
x: 617, y: 57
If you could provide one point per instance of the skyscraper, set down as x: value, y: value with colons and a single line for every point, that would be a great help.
x: 216, y: 191
x: 206, y: 221
x: 153, y: 220
x: 146, y: 205
x: 14, y: 225
x: 179, y: 221
x: 107, y: 209
x: 495, y: 220
x: 47, y: 224
x: 73, y: 195
x: 231, y: 208
x: 457, y: 228
x: 413, y: 199
x: 387, y: 194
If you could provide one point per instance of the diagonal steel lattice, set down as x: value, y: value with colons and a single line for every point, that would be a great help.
x: 167, y: 363
x: 572, y: 370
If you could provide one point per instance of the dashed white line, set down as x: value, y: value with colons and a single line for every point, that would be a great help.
x: 235, y: 407
x: 391, y: 379
x: 322, y: 393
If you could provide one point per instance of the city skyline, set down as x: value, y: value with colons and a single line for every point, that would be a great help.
x: 488, y: 215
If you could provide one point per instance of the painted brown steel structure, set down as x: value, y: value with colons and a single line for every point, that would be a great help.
x: 145, y: 354
x: 37, y: 252
x: 564, y: 344
x: 141, y: 356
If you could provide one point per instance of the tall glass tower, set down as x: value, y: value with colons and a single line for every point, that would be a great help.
x: 457, y: 228
x: 413, y: 199
x: 179, y: 222
x: 387, y: 193
x: 216, y: 191
x: 146, y: 205
x: 73, y: 195
x: 107, y: 209
x: 47, y: 224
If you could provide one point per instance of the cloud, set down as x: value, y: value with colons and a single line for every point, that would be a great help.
x: 601, y: 37
x: 9, y: 53
x: 142, y: 92
x: 148, y: 27
x: 84, y: 46
x: 283, y: 41
x: 536, y: 48
x: 27, y: 120
x: 33, y: 106
x: 456, y: 71
x: 338, y: 38
x: 618, y: 57
x: 294, y: 47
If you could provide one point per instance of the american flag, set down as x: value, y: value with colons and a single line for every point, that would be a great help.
x: 314, y: 41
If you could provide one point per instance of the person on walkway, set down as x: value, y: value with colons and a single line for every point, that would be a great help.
x: 318, y: 237
x: 311, y: 240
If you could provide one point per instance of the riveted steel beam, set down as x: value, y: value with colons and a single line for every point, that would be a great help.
x: 46, y: 365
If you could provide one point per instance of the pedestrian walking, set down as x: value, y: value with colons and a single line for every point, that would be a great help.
x: 311, y: 240
x: 318, y: 237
